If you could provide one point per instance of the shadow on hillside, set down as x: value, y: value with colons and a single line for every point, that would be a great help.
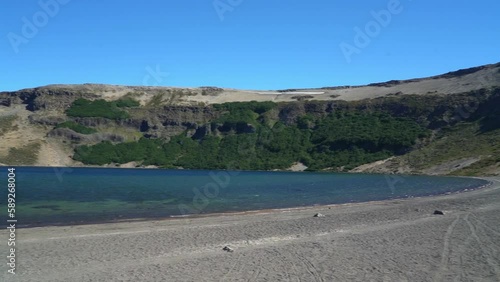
x: 490, y: 123
x: 489, y: 113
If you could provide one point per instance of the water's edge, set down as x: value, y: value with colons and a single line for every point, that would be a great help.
x: 257, y: 211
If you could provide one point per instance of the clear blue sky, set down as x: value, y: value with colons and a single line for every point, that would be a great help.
x: 253, y: 44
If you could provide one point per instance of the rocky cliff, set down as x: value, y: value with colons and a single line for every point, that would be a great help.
x: 467, y: 98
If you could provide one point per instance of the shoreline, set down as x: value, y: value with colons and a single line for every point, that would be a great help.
x: 490, y: 183
x: 390, y: 240
x: 155, y: 168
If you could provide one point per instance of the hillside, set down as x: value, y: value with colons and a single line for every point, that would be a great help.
x: 446, y: 124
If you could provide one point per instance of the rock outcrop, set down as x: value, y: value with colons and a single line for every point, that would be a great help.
x: 69, y: 134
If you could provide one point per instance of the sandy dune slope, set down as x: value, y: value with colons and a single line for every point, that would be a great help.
x: 455, y: 82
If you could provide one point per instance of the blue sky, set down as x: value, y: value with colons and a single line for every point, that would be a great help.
x: 247, y: 44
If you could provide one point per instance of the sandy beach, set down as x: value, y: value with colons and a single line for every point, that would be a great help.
x: 395, y: 240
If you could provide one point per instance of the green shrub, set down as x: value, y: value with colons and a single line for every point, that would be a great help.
x: 99, y: 154
x: 239, y: 114
x: 127, y: 103
x: 98, y: 108
x: 345, y: 139
x: 148, y: 150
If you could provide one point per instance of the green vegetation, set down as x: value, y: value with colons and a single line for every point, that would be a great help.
x: 127, y: 103
x: 76, y: 127
x: 247, y: 141
x: 97, y: 108
x: 266, y: 135
x: 352, y: 139
x: 106, y: 152
x: 241, y: 114
x: 26, y: 155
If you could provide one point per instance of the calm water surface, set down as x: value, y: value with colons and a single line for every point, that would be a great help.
x: 50, y: 196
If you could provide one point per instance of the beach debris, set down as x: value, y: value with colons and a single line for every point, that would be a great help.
x: 319, y: 215
x: 438, y: 212
x: 228, y: 249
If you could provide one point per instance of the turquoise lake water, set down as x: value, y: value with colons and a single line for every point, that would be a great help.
x: 60, y: 196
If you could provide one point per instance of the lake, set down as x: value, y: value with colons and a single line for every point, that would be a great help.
x: 63, y: 196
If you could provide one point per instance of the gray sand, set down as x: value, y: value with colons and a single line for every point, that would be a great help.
x: 397, y: 240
